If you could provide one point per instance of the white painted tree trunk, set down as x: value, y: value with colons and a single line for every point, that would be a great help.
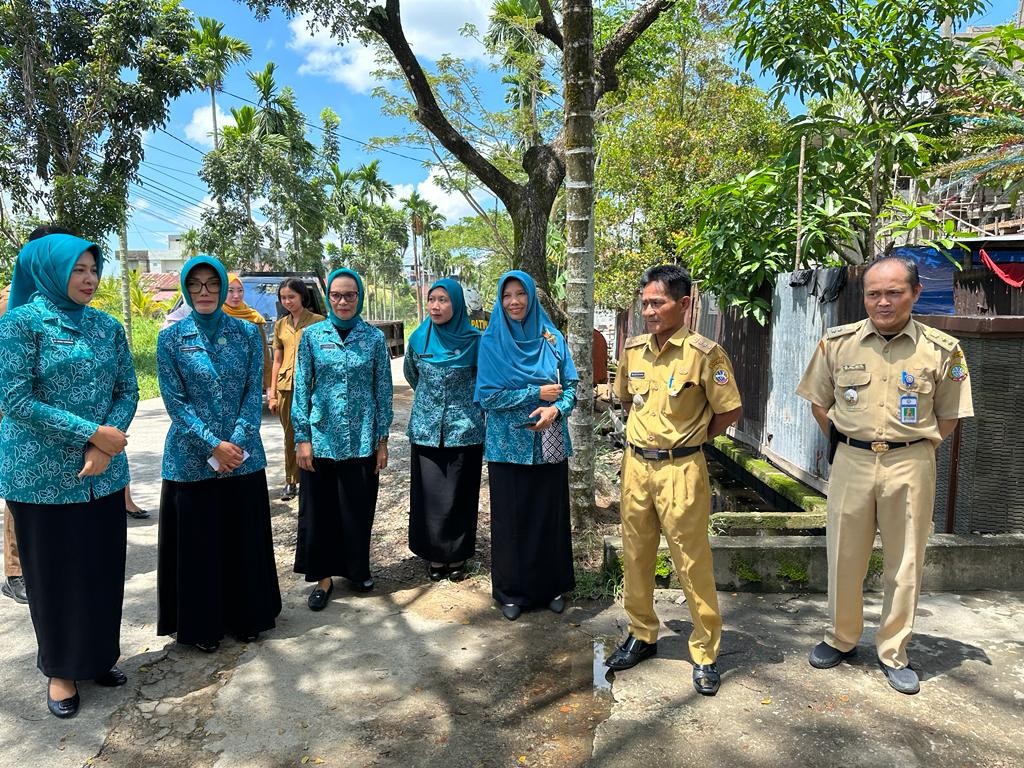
x: 126, y: 285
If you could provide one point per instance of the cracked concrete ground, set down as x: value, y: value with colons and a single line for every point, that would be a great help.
x: 428, y: 674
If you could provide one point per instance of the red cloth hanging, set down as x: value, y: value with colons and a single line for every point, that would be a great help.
x: 1011, y: 273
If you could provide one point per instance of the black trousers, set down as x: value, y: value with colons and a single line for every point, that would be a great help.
x: 72, y: 558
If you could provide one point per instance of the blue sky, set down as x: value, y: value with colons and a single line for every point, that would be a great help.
x: 322, y: 74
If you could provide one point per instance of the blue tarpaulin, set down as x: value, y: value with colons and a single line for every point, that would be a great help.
x: 936, y: 272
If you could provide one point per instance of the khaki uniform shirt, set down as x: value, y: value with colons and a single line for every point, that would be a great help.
x: 674, y: 390
x: 286, y: 338
x: 893, y: 390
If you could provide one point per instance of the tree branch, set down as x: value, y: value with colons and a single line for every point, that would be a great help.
x: 387, y: 23
x: 624, y: 37
x: 548, y: 25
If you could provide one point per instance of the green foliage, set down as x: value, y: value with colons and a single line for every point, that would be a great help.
x: 876, y: 564
x: 81, y: 81
x: 792, y: 569
x: 744, y: 569
x: 143, y: 305
x: 663, y: 568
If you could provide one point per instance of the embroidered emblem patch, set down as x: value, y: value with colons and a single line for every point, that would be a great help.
x: 958, y: 372
x: 721, y: 376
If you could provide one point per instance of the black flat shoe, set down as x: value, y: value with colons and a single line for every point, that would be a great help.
x: 290, y: 491
x: 361, y: 586
x: 706, y: 680
x: 511, y: 611
x: 457, y: 572
x: 436, y: 572
x: 824, y: 656
x: 137, y: 514
x: 112, y: 678
x: 208, y: 647
x: 630, y: 653
x: 319, y: 597
x: 64, y: 708
x: 557, y: 605
x: 248, y: 638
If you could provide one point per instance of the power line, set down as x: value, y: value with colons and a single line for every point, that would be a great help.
x: 340, y: 135
x: 174, y: 154
x: 182, y: 141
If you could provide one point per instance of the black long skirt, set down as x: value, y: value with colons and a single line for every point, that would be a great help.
x: 337, y: 503
x: 444, y: 496
x: 216, y: 573
x: 531, y: 538
x: 72, y: 558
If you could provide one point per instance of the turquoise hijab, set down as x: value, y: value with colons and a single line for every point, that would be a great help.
x: 211, y: 323
x: 453, y: 344
x: 44, y: 267
x: 517, y: 353
x: 344, y: 325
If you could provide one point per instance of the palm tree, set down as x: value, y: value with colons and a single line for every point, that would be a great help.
x: 259, y: 150
x: 215, y: 52
x: 511, y: 32
x: 418, y: 208
x: 371, y: 184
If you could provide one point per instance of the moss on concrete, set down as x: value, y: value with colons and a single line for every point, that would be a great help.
x: 806, y: 498
x: 875, y: 565
x: 744, y: 569
x: 775, y: 521
x: 792, y: 569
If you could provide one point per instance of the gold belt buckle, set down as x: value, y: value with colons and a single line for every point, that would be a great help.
x: 880, y: 446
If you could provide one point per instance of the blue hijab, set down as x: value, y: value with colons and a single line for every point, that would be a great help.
x: 517, y: 353
x: 453, y: 344
x: 344, y: 325
x: 211, y: 323
x: 44, y: 266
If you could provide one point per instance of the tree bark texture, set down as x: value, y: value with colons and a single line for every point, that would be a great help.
x: 126, y: 286
x: 580, y: 98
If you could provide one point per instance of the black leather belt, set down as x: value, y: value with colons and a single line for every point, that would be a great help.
x: 660, y: 454
x: 876, y: 446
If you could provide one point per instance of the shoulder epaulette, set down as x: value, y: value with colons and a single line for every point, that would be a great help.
x: 844, y: 330
x: 941, y: 338
x: 702, y: 343
x: 637, y: 341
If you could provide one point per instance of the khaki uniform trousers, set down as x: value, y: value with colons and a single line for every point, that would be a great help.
x: 284, y: 410
x: 12, y: 563
x: 895, y: 493
x: 673, y: 497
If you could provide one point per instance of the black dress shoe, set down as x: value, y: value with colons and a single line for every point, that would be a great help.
x: 631, y: 653
x: 208, y: 647
x: 318, y: 598
x: 436, y: 572
x: 824, y: 656
x: 249, y: 638
x: 14, y: 588
x: 557, y: 605
x: 706, y: 679
x: 111, y: 679
x: 290, y: 491
x: 904, y: 679
x: 137, y: 514
x: 457, y: 572
x: 511, y: 611
x: 64, y: 708
x: 361, y: 586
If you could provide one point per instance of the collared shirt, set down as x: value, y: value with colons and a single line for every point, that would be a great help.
x: 286, y: 339
x: 443, y: 411
x: 674, y: 391
x: 58, y: 383
x: 893, y: 390
x: 341, y: 401
x: 212, y: 389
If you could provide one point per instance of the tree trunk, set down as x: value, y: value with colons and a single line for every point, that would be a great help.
x: 578, y: 65
x: 416, y: 278
x: 126, y: 286
x: 213, y: 115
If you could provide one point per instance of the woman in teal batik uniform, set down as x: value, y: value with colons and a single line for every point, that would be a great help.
x: 526, y: 383
x: 341, y: 413
x: 446, y: 432
x: 216, y: 573
x: 68, y: 393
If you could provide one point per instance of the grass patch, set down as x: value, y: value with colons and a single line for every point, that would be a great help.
x: 144, y: 333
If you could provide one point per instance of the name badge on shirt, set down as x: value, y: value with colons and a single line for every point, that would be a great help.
x: 908, y: 409
x: 191, y: 349
x: 637, y: 375
x: 64, y: 342
x: 328, y: 346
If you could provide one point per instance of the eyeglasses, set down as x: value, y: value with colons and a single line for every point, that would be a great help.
x: 349, y: 296
x: 197, y: 286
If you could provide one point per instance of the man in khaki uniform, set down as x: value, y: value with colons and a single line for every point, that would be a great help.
x: 892, y: 389
x: 678, y: 390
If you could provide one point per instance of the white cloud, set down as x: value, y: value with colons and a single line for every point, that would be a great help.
x: 430, y: 34
x: 452, y: 205
x: 200, y: 129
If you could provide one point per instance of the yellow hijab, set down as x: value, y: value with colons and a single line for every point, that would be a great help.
x: 243, y: 311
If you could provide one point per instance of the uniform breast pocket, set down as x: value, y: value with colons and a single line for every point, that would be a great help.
x: 638, y: 389
x: 852, y: 390
x: 917, y: 394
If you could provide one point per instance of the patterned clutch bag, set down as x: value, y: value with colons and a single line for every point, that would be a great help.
x: 552, y: 444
